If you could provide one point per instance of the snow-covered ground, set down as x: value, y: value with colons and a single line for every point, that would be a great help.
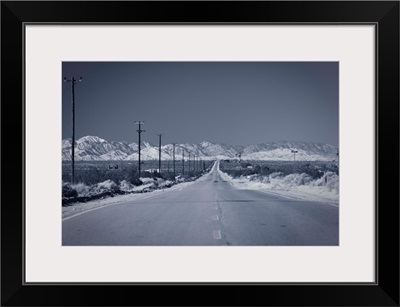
x: 110, y: 192
x: 148, y: 184
x: 78, y: 208
x: 296, y: 186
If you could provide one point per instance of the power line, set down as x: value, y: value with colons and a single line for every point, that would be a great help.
x: 73, y: 82
x: 139, y: 131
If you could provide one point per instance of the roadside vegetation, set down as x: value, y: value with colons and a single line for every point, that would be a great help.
x: 314, y: 169
x: 311, y: 180
x: 100, y: 179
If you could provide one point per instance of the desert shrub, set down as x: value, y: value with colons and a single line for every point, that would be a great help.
x: 245, y: 164
x: 276, y: 175
x: 297, y: 179
x: 169, y: 176
x: 137, y: 182
x: 68, y: 191
x: 165, y: 184
x: 81, y: 188
x: 257, y: 169
x: 105, y: 186
x: 265, y: 170
x: 330, y: 180
x: 125, y: 186
x: 236, y: 173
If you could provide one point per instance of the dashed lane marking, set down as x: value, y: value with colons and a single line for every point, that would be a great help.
x: 215, y: 217
x: 217, y: 234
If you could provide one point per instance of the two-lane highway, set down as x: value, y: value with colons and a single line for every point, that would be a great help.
x: 208, y: 212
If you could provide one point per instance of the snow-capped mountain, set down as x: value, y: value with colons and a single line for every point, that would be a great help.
x: 93, y: 148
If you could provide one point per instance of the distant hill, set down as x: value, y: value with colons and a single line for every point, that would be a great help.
x: 93, y: 148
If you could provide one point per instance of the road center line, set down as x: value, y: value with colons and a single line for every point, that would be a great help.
x: 217, y: 234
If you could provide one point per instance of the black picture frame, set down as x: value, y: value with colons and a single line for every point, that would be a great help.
x: 383, y: 14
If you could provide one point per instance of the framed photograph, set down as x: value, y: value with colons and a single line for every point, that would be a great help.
x: 200, y: 147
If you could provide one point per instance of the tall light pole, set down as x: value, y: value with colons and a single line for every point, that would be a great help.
x: 159, y: 152
x: 73, y: 82
x: 140, y: 123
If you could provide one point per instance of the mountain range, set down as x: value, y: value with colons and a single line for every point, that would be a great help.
x: 93, y: 148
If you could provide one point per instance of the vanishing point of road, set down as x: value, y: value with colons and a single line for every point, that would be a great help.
x: 208, y: 212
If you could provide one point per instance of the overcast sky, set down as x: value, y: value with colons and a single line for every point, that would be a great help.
x: 225, y: 102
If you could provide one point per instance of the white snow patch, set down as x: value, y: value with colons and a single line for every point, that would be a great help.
x: 79, y: 208
x: 148, y: 185
x: 300, y: 186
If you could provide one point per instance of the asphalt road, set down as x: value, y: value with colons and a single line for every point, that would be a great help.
x: 208, y: 212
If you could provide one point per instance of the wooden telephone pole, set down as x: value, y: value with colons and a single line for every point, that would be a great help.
x: 159, y: 152
x: 140, y: 123
x: 73, y: 82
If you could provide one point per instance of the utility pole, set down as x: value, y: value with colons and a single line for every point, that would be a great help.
x: 159, y: 152
x: 173, y: 157
x: 294, y: 152
x: 183, y: 161
x: 189, y: 161
x: 140, y: 123
x: 73, y: 82
x: 198, y: 164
